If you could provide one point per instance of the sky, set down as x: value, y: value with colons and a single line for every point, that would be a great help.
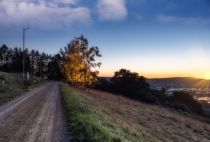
x: 156, y: 38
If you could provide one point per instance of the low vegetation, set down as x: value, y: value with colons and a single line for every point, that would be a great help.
x: 12, y: 85
x: 86, y: 123
x: 148, y: 122
x: 185, y: 101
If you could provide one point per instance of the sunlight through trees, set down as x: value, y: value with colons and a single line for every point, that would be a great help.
x: 79, y: 62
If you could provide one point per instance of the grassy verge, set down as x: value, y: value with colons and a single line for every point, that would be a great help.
x: 87, y: 123
x: 14, y: 86
x: 146, y: 122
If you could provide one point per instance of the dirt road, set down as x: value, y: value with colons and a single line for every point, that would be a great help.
x: 36, y: 116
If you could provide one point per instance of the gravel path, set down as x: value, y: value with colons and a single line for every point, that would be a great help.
x: 36, y: 116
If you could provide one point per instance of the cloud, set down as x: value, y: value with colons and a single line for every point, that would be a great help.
x: 182, y: 20
x: 43, y: 14
x: 111, y: 10
x: 139, y: 17
x: 69, y: 1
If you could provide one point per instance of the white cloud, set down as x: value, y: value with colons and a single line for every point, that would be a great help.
x: 111, y: 10
x: 43, y: 14
x: 183, y: 20
x: 69, y: 1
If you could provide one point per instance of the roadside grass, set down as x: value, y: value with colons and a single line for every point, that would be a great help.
x: 86, y: 123
x: 15, y: 86
x: 146, y: 122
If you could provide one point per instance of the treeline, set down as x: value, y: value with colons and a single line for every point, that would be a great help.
x: 74, y: 63
x: 36, y: 63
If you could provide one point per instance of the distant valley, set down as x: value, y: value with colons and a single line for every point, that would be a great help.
x: 179, y: 82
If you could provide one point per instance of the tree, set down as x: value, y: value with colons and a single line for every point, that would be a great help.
x: 129, y: 83
x: 185, y: 101
x: 33, y: 62
x: 54, y: 67
x: 79, y: 60
x: 88, y: 57
x: 17, y: 60
x: 3, y: 57
x: 27, y: 60
x: 11, y: 60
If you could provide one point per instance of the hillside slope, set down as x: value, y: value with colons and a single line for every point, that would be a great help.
x: 14, y: 85
x: 150, y: 123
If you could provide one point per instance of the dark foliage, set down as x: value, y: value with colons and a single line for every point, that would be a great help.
x: 54, y: 67
x: 129, y: 84
x: 36, y: 63
x: 185, y: 101
x: 104, y: 85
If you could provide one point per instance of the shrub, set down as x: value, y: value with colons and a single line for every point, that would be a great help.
x: 185, y: 101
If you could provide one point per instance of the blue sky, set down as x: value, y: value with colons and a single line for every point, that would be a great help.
x: 156, y: 38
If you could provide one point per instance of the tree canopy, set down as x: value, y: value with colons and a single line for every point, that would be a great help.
x: 79, y: 61
x: 36, y: 63
x: 129, y: 83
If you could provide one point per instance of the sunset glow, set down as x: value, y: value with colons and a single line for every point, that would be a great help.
x: 207, y: 76
x: 163, y: 75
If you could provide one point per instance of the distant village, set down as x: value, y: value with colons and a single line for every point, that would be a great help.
x: 202, y: 95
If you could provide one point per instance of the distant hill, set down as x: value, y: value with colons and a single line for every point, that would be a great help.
x: 176, y: 82
x: 179, y: 82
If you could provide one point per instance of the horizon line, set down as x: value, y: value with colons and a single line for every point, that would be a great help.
x: 162, y: 77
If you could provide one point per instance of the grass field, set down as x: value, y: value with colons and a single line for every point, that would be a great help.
x: 14, y: 86
x: 87, y: 123
x: 128, y: 120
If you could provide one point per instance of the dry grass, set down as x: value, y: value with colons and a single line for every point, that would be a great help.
x: 15, y: 86
x: 86, y: 123
x: 149, y: 122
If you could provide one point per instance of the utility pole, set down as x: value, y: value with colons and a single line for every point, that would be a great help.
x: 24, y: 31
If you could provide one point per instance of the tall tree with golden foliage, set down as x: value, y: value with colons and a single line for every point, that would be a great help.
x: 79, y: 62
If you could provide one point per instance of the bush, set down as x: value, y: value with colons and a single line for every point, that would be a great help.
x: 185, y: 101
x: 126, y: 83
